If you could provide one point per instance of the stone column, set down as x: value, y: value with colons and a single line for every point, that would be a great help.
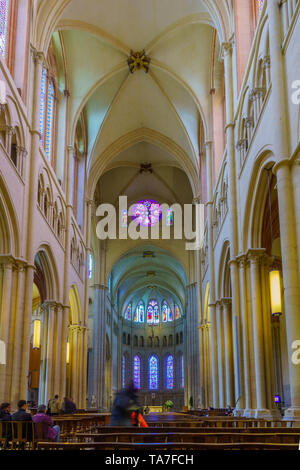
x: 210, y: 237
x: 255, y: 257
x: 57, y: 350
x: 38, y: 59
x: 233, y: 218
x: 228, y: 345
x: 97, y: 367
x: 291, y: 283
x: 290, y: 267
x: 221, y: 354
x: 5, y: 319
x: 242, y: 260
x: 63, y: 350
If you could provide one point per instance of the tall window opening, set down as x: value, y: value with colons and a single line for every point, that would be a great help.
x: 153, y: 312
x: 153, y: 372
x: 137, y: 372
x: 139, y: 314
x: 169, y: 372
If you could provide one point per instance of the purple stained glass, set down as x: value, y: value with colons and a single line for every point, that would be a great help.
x: 4, y: 8
x: 49, y: 124
x: 43, y: 103
x: 153, y: 312
x: 170, y: 372
x: 123, y: 371
x: 153, y: 372
x: 128, y: 312
x: 164, y: 312
x: 137, y: 372
x: 260, y: 5
x: 146, y: 212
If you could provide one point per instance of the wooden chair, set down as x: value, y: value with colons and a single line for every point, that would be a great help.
x: 5, y: 434
x: 22, y: 435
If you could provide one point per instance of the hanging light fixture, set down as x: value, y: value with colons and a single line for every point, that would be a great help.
x: 37, y: 334
x: 274, y: 275
x: 275, y: 291
x: 68, y: 353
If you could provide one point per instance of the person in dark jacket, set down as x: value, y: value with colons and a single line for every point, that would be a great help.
x: 22, y: 415
x: 6, y: 426
x: 125, y: 403
x: 68, y: 406
x: 5, y: 412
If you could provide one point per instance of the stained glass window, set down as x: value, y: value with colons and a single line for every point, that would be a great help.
x: 137, y: 372
x: 169, y: 373
x: 153, y: 312
x: 167, y: 314
x: 90, y: 266
x: 128, y: 312
x: 170, y: 217
x: 124, y: 218
x: 177, y: 312
x: 260, y: 4
x: 49, y: 124
x: 164, y: 312
x: 43, y: 103
x: 146, y: 212
x: 153, y: 372
x: 4, y: 8
x: 123, y: 371
x: 139, y: 314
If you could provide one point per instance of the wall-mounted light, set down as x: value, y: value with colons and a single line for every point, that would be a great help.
x: 37, y: 334
x: 275, y: 291
x: 68, y: 353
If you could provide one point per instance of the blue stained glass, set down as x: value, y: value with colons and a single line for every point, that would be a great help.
x: 4, y: 8
x: 153, y: 312
x: 170, y: 373
x: 137, y: 372
x: 43, y: 103
x: 153, y: 372
x: 128, y: 312
x: 124, y: 218
x: 170, y: 217
x: 90, y: 267
x: 123, y: 371
x: 139, y: 313
x: 49, y: 125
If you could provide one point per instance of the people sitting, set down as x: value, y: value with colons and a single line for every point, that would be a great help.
x: 5, y: 417
x: 49, y: 431
x: 22, y: 415
x: 54, y: 406
x: 5, y: 412
x: 68, y: 406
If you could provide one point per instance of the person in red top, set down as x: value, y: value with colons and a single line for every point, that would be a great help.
x: 50, y: 431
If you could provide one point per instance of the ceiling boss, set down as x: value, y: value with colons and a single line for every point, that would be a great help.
x: 138, y: 61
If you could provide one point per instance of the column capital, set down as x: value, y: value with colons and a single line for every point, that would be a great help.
x: 255, y: 255
x: 197, y: 200
x: 226, y: 48
x: 226, y: 301
x: 37, y: 56
x: 208, y: 144
x: 70, y: 148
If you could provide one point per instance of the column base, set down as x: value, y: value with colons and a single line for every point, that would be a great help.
x: 248, y: 413
x: 267, y: 414
x: 292, y: 414
x: 238, y: 412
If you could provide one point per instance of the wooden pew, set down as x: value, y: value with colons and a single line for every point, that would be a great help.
x: 188, y: 446
x: 130, y: 429
x: 227, y: 437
